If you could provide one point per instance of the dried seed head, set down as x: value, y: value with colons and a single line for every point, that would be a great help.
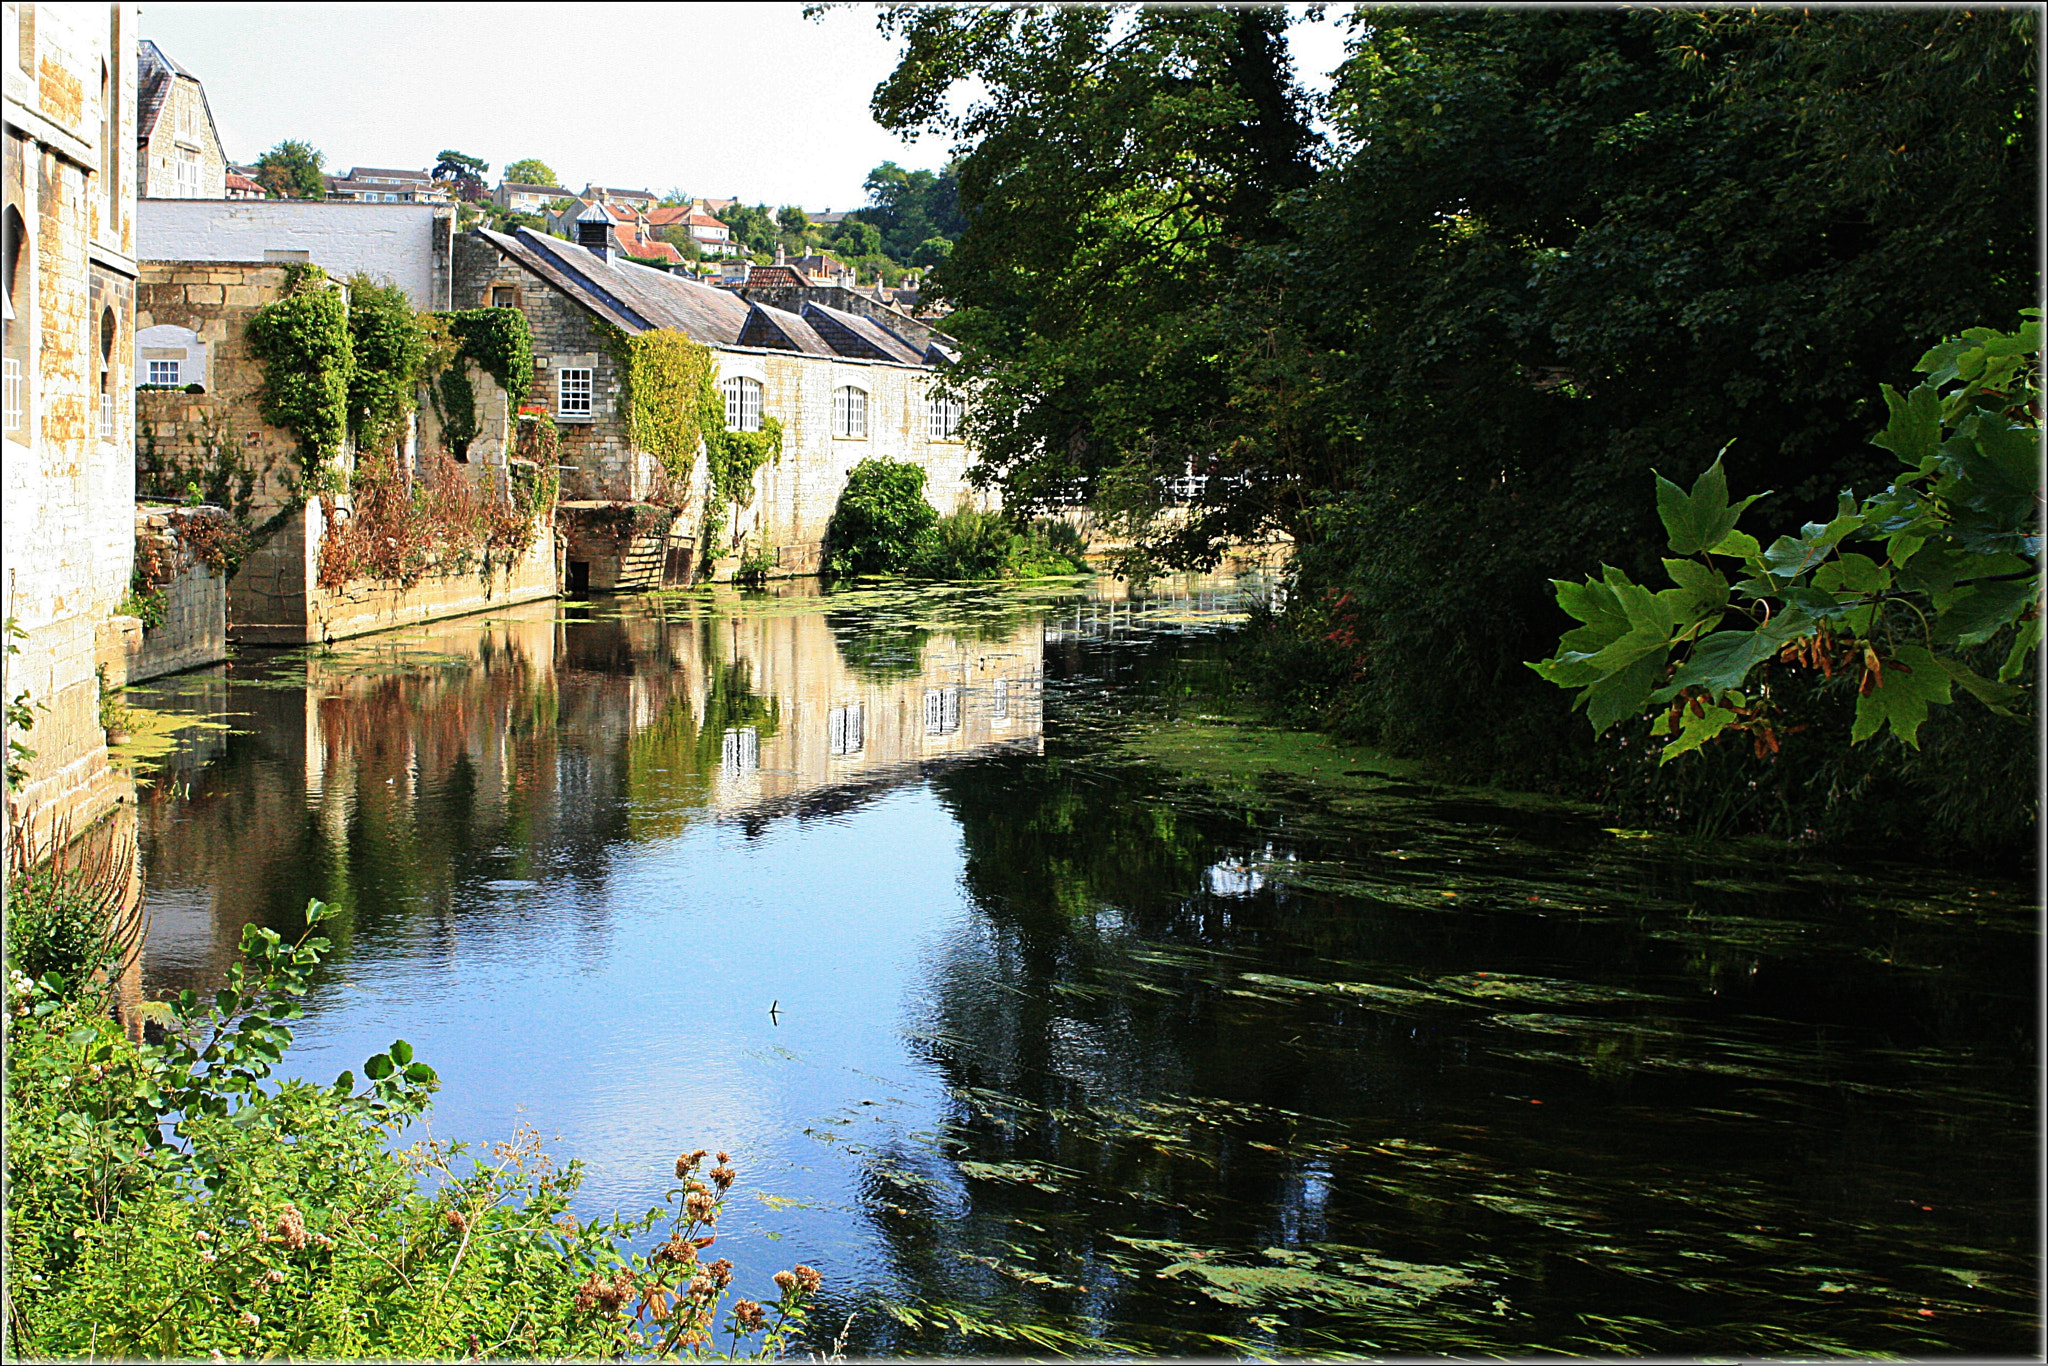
x: 677, y: 1251
x: 723, y: 1159
x: 748, y: 1315
x: 458, y: 1223
x: 723, y: 1177
x: 586, y: 1293
x: 291, y: 1228
x: 721, y: 1273
x: 808, y: 1278
x: 701, y: 1287
x: 786, y: 1280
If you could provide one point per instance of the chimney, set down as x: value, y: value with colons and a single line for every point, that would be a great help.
x: 781, y: 259
x: 594, y: 230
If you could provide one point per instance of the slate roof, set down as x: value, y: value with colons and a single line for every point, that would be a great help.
x: 638, y: 298
x: 158, y: 73
x: 383, y: 172
x: 552, y: 191
x: 850, y: 334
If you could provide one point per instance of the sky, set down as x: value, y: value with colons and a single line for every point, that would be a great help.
x: 749, y: 100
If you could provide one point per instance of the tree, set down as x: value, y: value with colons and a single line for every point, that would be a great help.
x: 855, y: 238
x: 793, y: 222
x: 530, y: 171
x: 931, y: 252
x: 291, y: 170
x: 466, y: 171
x: 752, y: 226
x: 1119, y: 166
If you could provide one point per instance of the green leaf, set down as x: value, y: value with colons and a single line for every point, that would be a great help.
x: 1902, y: 700
x: 401, y: 1052
x: 1852, y: 574
x: 1914, y: 432
x: 1703, y: 518
x: 1737, y: 543
x: 419, y: 1072
x: 2025, y: 642
x: 1999, y: 697
x: 344, y: 1084
x: 1791, y: 556
x: 317, y: 911
x: 1622, y: 693
x: 377, y: 1067
x: 1694, y: 731
x: 1979, y: 611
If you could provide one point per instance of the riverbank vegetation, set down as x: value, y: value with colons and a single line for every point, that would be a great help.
x: 883, y: 525
x: 171, y: 1197
x: 1536, y: 257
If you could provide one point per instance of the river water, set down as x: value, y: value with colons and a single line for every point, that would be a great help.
x: 1046, y: 1007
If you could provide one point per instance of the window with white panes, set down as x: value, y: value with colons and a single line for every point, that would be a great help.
x: 742, y: 750
x: 742, y: 404
x: 843, y: 729
x: 942, y: 418
x: 999, y: 700
x: 163, y: 372
x: 12, y: 389
x: 850, y: 412
x: 941, y: 711
x: 188, y: 173
x: 572, y: 393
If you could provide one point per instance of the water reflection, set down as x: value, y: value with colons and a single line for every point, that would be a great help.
x: 1074, y: 1052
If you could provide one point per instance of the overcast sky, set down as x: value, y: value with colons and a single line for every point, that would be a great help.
x: 714, y: 99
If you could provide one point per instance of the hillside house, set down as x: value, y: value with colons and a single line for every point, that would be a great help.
x: 527, y: 198
x: 178, y: 152
x: 384, y: 185
x: 711, y: 236
x: 843, y: 386
x: 633, y: 201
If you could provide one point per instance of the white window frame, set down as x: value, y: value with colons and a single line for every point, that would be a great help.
x: 106, y: 417
x: 165, y: 372
x: 741, y: 751
x: 575, y: 388
x: 844, y: 731
x: 942, y: 417
x: 999, y: 698
x: 850, y: 418
x: 12, y: 395
x: 941, y: 711
x: 742, y: 404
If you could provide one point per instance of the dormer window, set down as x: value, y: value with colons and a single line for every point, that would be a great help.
x: 742, y: 404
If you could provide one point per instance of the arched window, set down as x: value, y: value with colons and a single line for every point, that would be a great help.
x: 109, y: 329
x: 15, y: 247
x: 942, y: 418
x: 850, y: 412
x: 742, y: 404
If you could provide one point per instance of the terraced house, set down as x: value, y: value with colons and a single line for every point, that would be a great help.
x: 845, y: 386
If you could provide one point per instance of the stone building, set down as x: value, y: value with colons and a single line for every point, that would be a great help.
x: 69, y: 537
x: 207, y: 269
x: 177, y: 146
x: 844, y: 386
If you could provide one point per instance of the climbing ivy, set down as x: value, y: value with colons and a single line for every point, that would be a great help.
x: 734, y: 457
x: 304, y: 344
x: 390, y: 348
x: 454, y: 400
x: 672, y: 400
x: 500, y: 342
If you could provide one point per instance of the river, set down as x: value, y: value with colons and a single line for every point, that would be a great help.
x: 1046, y: 1006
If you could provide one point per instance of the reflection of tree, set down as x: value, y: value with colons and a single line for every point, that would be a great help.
x: 879, y: 646
x: 671, y: 764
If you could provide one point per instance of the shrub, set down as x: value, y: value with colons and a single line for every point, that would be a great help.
x: 988, y: 545
x: 164, y: 1201
x: 303, y: 342
x: 881, y: 522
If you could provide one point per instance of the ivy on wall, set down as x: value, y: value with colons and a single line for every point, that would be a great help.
x: 389, y: 342
x: 735, y: 457
x: 672, y: 400
x: 304, y: 343
x: 500, y: 342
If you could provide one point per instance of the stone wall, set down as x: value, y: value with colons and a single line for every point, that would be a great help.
x: 405, y: 244
x: 595, y: 558
x: 360, y: 607
x: 66, y: 532
x: 184, y: 107
x: 194, y: 629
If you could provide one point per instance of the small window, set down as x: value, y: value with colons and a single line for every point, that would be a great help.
x: 163, y: 372
x: 742, y: 404
x: 941, y: 711
x: 572, y: 391
x: 843, y: 729
x: 1000, y: 700
x: 850, y: 412
x: 188, y: 174
x: 14, y: 407
x: 501, y: 297
x: 942, y: 418
x: 742, y: 750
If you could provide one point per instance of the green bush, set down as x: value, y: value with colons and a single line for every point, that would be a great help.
x: 881, y: 522
x: 987, y: 545
x: 303, y: 342
x: 163, y: 1201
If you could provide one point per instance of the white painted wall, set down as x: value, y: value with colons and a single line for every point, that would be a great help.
x: 394, y: 242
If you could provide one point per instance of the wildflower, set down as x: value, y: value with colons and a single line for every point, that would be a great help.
x: 291, y: 1228
x: 274, y: 1276
x: 457, y: 1223
x: 249, y: 1320
x: 677, y: 1250
x: 687, y: 1163
x: 723, y: 1177
x: 700, y: 1207
x: 723, y: 1159
x: 808, y: 1278
x: 701, y: 1287
x: 786, y: 1280
x: 586, y: 1293
x: 567, y: 1223
x: 721, y: 1273
x: 748, y: 1315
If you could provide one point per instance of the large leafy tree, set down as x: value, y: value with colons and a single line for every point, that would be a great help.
x: 467, y: 172
x: 291, y: 170
x: 1118, y: 167
x: 910, y: 207
x: 1564, y: 248
x: 531, y: 171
